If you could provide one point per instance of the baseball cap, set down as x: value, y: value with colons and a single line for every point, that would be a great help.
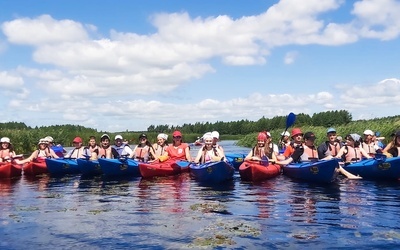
x: 142, y: 135
x: 104, y: 136
x: 368, y: 132
x: 309, y: 136
x: 215, y: 134
x: 77, y: 139
x: 331, y: 130
x: 177, y: 133
x: 285, y: 133
x: 118, y: 137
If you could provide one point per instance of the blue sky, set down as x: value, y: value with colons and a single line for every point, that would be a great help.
x: 126, y: 65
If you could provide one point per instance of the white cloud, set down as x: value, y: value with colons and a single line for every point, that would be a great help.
x: 290, y: 57
x: 43, y: 30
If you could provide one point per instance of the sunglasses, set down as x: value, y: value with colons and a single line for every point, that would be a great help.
x: 177, y: 137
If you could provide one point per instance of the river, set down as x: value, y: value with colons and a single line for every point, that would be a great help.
x: 178, y: 213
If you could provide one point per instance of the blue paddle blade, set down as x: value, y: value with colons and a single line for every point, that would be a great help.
x: 290, y: 120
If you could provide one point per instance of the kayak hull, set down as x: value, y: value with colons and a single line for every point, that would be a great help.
x: 62, y: 166
x: 10, y: 169
x: 254, y: 171
x: 212, y: 172
x: 235, y: 159
x: 376, y: 169
x: 324, y: 171
x: 154, y: 169
x: 119, y: 167
x: 89, y: 167
x: 35, y: 167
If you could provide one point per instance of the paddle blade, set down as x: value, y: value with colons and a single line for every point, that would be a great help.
x: 290, y: 120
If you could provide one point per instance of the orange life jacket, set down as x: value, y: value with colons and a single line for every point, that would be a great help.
x: 142, y: 153
x: 177, y: 153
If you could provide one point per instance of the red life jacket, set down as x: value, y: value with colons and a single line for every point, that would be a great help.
x: 177, y: 153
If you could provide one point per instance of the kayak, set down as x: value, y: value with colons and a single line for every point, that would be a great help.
x: 255, y: 171
x: 376, y: 169
x: 62, y: 166
x: 153, y: 169
x: 215, y: 172
x: 119, y: 167
x: 184, y: 165
x: 35, y: 167
x: 10, y: 169
x: 314, y: 171
x: 89, y: 167
x: 235, y: 159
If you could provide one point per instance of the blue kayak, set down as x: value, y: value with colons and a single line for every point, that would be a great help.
x: 89, y: 167
x: 324, y: 171
x: 212, y: 172
x: 62, y: 166
x: 376, y: 169
x: 119, y: 167
x: 235, y: 159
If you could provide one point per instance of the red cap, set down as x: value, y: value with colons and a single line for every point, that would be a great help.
x: 296, y: 131
x: 77, y: 139
x: 177, y: 133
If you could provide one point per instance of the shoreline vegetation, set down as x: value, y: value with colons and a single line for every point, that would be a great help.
x: 25, y: 138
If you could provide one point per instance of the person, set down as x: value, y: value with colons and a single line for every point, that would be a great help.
x: 305, y: 152
x: 215, y: 135
x: 368, y: 143
x: 178, y: 150
x: 58, y: 149
x: 261, y: 151
x: 7, y: 150
x: 143, y: 151
x: 209, y: 152
x: 79, y: 151
x: 329, y: 147
x: 284, y: 141
x: 378, y: 140
x: 352, y: 151
x: 105, y: 150
x: 273, y: 148
x: 92, y: 145
x: 394, y: 149
x: 122, y: 148
x: 40, y: 154
x: 391, y: 142
x: 296, y: 143
x: 160, y: 146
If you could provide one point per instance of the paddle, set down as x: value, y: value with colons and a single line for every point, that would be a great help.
x: 291, y: 118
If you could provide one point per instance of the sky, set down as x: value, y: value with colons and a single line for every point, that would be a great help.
x: 125, y: 65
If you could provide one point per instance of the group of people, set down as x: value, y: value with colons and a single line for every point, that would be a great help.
x: 144, y: 151
x: 295, y: 147
x: 298, y: 146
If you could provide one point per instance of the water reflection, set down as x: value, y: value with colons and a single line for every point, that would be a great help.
x: 7, y: 186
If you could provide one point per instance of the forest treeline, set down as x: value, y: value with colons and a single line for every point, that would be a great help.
x: 25, y: 138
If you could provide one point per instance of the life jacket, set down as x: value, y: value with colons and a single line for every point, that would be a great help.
x: 208, y: 154
x: 142, y: 153
x: 93, y: 149
x: 102, y: 152
x: 332, y: 149
x: 369, y: 148
x: 260, y: 152
x: 177, y: 153
x: 120, y: 149
x: 43, y: 154
x: 81, y: 152
x: 159, y: 150
x: 310, y: 153
x: 351, y: 154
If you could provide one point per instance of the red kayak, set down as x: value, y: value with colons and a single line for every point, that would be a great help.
x: 255, y: 171
x: 35, y: 167
x: 166, y: 168
x: 10, y: 169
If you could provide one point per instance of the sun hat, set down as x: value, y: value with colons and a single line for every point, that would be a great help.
x: 162, y: 136
x: 368, y: 132
x: 331, y: 130
x: 285, y: 133
x: 5, y: 139
x: 49, y: 138
x: 296, y: 131
x: 43, y: 141
x: 77, y: 139
x: 177, y: 133
x: 118, y: 137
x: 215, y: 134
